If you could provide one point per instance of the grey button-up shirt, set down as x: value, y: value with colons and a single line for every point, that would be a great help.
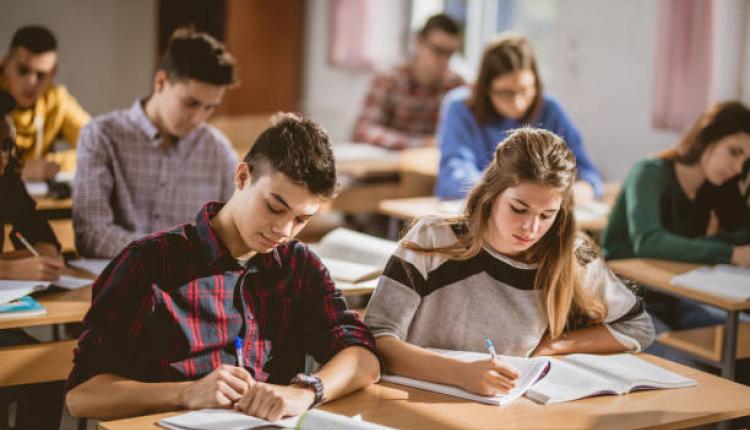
x: 127, y: 185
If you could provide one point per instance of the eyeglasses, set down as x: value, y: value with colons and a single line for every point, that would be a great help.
x: 511, y: 95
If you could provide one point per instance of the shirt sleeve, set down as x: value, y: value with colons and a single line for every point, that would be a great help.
x: 371, y: 125
x: 643, y: 191
x: 397, y: 298
x: 229, y: 163
x: 626, y: 317
x: 24, y: 217
x: 460, y: 140
x: 328, y: 325
x: 122, y: 298
x: 96, y: 230
x: 560, y: 123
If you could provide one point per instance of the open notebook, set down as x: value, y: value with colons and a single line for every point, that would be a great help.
x: 731, y: 282
x: 553, y: 380
x: 530, y: 369
x: 352, y: 257
x: 576, y: 376
x: 14, y: 289
x: 223, y: 419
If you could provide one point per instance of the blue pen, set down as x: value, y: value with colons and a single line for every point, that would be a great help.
x: 491, y: 348
x: 238, y: 349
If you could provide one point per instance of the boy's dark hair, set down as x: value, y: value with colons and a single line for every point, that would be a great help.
x: 195, y: 55
x: 300, y: 149
x: 440, y: 22
x: 35, y: 38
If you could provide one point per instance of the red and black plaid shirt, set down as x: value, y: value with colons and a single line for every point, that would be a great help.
x: 169, y: 307
x: 400, y: 113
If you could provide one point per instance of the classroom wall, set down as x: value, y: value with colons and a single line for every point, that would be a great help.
x: 603, y: 79
x: 107, y: 47
x: 603, y: 73
x: 333, y: 96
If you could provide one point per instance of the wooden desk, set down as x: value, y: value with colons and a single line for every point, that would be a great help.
x: 366, y: 182
x: 418, y: 207
x: 656, y: 274
x: 36, y: 363
x: 713, y: 399
x: 44, y: 203
x: 63, y: 306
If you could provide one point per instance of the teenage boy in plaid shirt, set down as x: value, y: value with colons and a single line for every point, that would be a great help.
x: 161, y: 331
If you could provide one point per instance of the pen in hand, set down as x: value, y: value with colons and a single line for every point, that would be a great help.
x: 238, y: 350
x: 491, y: 348
x: 26, y: 243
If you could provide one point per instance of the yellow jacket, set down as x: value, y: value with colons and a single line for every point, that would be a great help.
x: 60, y: 114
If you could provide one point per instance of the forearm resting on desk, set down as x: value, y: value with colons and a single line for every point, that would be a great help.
x: 486, y: 377
x: 108, y: 396
x: 349, y: 370
x: 594, y: 339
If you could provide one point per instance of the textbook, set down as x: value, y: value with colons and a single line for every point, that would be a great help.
x: 731, y: 282
x: 577, y: 376
x: 553, y: 380
x: 352, y: 257
x: 23, y: 307
x: 225, y: 419
x: 529, y: 369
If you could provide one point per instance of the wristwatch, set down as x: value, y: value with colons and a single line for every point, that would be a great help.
x: 310, y: 381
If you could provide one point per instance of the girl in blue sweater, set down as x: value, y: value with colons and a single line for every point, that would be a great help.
x: 508, y: 94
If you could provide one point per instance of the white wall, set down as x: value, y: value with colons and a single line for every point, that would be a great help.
x: 603, y: 74
x: 107, y: 48
x: 333, y: 96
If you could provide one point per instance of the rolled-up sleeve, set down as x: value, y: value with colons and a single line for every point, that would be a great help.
x: 328, y: 325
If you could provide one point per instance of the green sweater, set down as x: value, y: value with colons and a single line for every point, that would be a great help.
x: 654, y: 218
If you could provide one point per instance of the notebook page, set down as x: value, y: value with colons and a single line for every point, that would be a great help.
x: 348, y: 271
x: 629, y: 369
x: 529, y: 368
x: 71, y: 282
x: 723, y: 280
x: 221, y: 419
x: 349, y: 245
x: 92, y: 265
x: 12, y: 289
x: 565, y: 381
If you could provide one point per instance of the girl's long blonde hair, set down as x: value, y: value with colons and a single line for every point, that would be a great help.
x: 540, y: 157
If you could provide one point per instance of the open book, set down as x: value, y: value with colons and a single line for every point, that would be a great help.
x: 224, y: 419
x: 553, y: 380
x: 14, y: 289
x: 731, y: 282
x: 352, y: 257
x: 584, y: 375
x: 529, y: 369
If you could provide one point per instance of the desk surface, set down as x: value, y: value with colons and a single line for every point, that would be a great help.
x: 63, y: 306
x: 46, y: 203
x: 422, y: 161
x: 418, y: 207
x: 657, y: 274
x: 713, y: 399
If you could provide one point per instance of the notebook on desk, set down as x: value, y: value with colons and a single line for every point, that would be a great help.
x: 553, y: 380
x: 352, y: 257
x: 529, y: 369
x: 224, y: 419
x: 731, y: 282
x: 15, y: 289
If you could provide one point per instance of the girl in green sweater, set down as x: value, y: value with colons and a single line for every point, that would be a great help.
x: 673, y: 207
